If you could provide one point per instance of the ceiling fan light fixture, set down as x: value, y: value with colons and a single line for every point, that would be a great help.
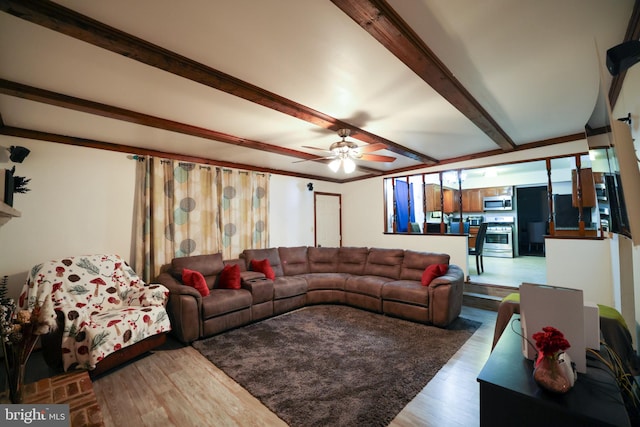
x: 334, y: 165
x: 348, y: 165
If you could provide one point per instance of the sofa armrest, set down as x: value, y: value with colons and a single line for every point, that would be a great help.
x: 445, y: 296
x: 453, y: 274
x: 260, y: 287
x: 184, y: 308
x: 247, y: 276
x: 176, y: 287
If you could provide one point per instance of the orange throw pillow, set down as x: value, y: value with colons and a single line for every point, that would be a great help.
x: 229, y: 277
x: 264, y: 267
x: 195, y: 279
x: 433, y: 271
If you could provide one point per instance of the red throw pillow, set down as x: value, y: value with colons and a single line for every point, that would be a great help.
x: 433, y: 271
x: 229, y: 277
x: 264, y: 267
x: 195, y: 279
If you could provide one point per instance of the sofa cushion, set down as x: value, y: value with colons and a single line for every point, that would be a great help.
x: 207, y: 265
x: 324, y: 281
x: 366, y: 285
x: 222, y: 301
x: 294, y: 260
x: 323, y: 260
x: 433, y: 271
x: 384, y: 262
x: 195, y: 279
x: 406, y: 291
x: 271, y: 254
x: 289, y: 286
x: 352, y: 260
x: 263, y: 266
x: 229, y: 277
x: 414, y: 263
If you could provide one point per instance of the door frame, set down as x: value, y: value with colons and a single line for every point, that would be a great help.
x: 315, y: 214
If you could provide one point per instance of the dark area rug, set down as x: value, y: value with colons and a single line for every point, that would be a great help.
x: 332, y: 365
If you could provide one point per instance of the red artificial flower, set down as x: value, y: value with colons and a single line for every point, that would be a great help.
x: 550, y: 341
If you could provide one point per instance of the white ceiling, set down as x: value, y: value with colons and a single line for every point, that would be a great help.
x: 532, y: 65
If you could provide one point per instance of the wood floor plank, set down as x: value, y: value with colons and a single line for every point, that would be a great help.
x: 177, y: 386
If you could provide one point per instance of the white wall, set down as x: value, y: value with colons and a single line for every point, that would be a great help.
x: 81, y: 201
x: 291, y: 210
x: 581, y: 264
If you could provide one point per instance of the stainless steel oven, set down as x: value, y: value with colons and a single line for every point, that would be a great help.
x: 604, y: 218
x: 601, y: 192
x: 498, y: 241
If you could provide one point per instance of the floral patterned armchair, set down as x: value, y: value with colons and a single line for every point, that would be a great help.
x: 105, y: 313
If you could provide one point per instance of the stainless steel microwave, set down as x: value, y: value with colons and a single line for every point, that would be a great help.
x: 497, y: 203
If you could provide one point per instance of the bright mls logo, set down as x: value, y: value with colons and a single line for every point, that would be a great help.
x: 36, y: 415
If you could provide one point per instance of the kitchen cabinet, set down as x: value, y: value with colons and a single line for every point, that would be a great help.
x: 588, y: 188
x: 472, y: 200
x: 432, y: 196
x: 451, y: 201
x: 497, y: 191
x: 598, y: 177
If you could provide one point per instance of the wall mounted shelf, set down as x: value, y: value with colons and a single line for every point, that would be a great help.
x: 7, y: 212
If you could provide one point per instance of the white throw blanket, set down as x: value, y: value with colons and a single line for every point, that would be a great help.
x: 106, y: 306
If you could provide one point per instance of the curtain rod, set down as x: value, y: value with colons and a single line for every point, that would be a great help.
x: 201, y: 166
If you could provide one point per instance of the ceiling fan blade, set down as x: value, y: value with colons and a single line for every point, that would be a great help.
x: 377, y: 158
x: 372, y: 147
x: 316, y: 148
x: 315, y: 158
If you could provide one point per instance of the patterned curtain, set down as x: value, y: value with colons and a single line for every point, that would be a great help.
x: 185, y: 209
x: 244, y: 211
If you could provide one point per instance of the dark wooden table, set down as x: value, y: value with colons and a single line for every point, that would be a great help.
x: 509, y: 396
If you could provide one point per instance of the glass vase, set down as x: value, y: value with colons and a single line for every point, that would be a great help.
x: 20, y: 353
x: 549, y: 375
x: 16, y: 383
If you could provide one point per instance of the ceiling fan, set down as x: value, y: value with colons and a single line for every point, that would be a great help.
x: 345, y: 152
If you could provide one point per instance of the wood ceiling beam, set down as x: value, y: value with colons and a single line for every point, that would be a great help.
x: 101, y: 145
x: 66, y: 21
x: 633, y: 33
x: 31, y: 93
x: 386, y: 26
x: 486, y: 154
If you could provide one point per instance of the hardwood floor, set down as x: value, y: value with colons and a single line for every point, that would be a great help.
x: 452, y: 397
x: 510, y: 271
x: 177, y: 386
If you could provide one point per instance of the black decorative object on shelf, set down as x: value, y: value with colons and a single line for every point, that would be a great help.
x: 8, y: 187
x: 14, y: 184
x: 18, y: 153
x: 20, y: 184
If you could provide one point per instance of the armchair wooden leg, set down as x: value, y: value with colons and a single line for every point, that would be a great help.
x: 478, y: 264
x: 482, y: 263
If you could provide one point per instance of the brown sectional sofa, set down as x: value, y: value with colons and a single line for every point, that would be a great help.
x: 384, y: 281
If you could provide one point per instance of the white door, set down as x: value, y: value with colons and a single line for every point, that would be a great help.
x: 328, y: 223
